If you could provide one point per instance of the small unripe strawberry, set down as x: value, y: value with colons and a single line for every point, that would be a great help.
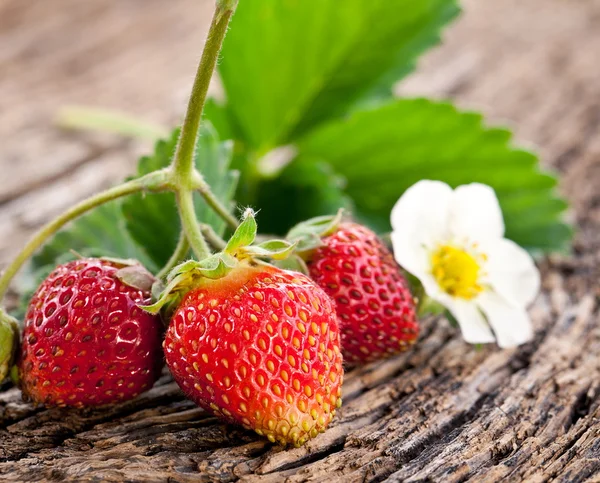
x: 86, y: 341
x: 259, y: 347
x: 9, y: 341
x: 372, y: 298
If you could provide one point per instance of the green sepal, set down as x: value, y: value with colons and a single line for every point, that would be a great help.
x: 158, y: 287
x: 136, y: 276
x: 188, y: 275
x: 245, y: 234
x: 273, y: 249
x: 9, y: 342
x: 239, y: 249
x: 240, y: 244
x: 307, y: 235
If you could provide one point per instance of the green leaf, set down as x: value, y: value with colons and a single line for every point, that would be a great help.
x: 383, y: 151
x: 290, y: 64
x: 153, y: 220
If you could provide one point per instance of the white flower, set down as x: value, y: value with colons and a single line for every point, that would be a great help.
x: 453, y: 242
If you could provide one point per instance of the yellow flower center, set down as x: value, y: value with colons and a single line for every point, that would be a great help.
x: 456, y: 271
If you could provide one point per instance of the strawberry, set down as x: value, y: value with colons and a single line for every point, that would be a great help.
x: 255, y: 344
x: 9, y: 341
x: 259, y: 347
x: 86, y: 342
x: 372, y: 299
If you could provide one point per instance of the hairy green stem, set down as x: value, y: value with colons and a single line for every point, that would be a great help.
x: 227, y: 4
x: 156, y: 181
x: 179, y: 255
x: 186, y: 178
x: 187, y: 214
x: 184, y: 155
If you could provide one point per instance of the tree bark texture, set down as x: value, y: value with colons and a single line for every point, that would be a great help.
x: 442, y: 412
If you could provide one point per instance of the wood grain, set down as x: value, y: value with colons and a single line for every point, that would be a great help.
x: 443, y: 412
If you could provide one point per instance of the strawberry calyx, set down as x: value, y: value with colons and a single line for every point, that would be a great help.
x: 9, y: 342
x: 307, y: 235
x: 130, y: 272
x: 239, y: 252
x: 137, y: 276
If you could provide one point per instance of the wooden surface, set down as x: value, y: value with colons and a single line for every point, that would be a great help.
x: 444, y: 412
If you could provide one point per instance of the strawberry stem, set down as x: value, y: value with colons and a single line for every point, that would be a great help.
x: 183, y: 162
x: 155, y: 182
x: 185, y: 177
x: 227, y: 4
x: 189, y: 221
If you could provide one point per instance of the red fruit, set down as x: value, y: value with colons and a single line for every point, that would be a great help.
x: 259, y: 347
x: 372, y: 299
x: 86, y: 342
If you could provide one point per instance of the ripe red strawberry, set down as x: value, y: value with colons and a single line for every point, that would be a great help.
x: 259, y: 347
x: 86, y: 342
x: 372, y: 298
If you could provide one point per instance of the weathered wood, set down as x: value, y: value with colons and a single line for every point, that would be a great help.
x: 443, y: 412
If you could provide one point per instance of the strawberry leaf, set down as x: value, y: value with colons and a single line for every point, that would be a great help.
x: 312, y: 60
x: 381, y: 152
x: 152, y: 220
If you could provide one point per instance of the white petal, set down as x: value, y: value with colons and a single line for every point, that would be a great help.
x: 475, y: 213
x: 511, y: 325
x: 473, y: 326
x: 511, y: 272
x: 416, y: 259
x: 433, y: 290
x: 411, y: 256
x: 421, y: 213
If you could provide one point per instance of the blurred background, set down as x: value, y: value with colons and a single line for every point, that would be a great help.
x: 532, y: 65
